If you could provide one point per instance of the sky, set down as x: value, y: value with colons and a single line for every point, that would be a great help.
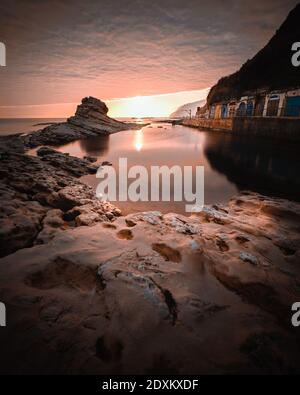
x: 140, y: 56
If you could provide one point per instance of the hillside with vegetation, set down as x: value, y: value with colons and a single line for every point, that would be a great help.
x: 270, y: 69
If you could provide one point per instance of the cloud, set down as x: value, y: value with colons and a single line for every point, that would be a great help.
x: 60, y: 51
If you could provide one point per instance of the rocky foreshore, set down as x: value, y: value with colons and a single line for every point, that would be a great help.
x: 42, y: 195
x: 153, y: 293
x: 88, y: 290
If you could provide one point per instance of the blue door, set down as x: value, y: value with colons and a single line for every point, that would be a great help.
x: 224, y: 111
x: 250, y: 109
x: 292, y: 108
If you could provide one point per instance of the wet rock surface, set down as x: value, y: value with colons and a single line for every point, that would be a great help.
x: 152, y: 293
x: 42, y: 195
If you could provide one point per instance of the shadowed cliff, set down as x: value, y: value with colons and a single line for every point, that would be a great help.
x: 271, y: 68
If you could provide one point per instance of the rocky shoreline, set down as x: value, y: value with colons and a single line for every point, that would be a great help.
x: 42, y: 195
x: 90, y: 120
x: 90, y: 291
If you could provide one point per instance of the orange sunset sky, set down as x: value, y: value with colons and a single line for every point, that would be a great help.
x: 143, y: 58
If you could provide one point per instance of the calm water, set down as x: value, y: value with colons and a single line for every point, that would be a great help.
x: 24, y: 125
x: 231, y: 164
x: 10, y: 126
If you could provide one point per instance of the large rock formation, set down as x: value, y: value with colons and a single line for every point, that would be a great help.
x: 90, y: 120
x: 92, y: 115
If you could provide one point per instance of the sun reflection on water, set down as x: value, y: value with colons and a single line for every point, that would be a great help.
x: 139, y: 140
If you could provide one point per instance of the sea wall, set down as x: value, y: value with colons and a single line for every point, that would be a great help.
x: 274, y: 127
x: 215, y: 124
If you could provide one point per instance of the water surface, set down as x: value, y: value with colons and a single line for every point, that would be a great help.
x: 231, y: 163
x: 10, y: 126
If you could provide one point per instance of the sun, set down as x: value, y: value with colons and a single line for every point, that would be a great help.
x: 140, y: 107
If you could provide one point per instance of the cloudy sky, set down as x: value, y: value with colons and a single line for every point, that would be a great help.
x: 61, y: 51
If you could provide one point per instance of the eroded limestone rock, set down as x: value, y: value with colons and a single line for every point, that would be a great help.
x: 159, y: 299
x: 31, y: 187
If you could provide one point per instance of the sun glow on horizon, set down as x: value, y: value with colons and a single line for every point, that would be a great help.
x: 161, y: 105
x: 153, y: 106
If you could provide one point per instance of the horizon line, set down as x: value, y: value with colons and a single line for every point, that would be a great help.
x: 106, y: 100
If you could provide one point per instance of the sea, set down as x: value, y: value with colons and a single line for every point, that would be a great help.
x: 231, y: 163
x: 9, y: 126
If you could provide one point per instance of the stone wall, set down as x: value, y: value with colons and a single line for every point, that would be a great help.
x: 215, y: 124
x: 274, y: 127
